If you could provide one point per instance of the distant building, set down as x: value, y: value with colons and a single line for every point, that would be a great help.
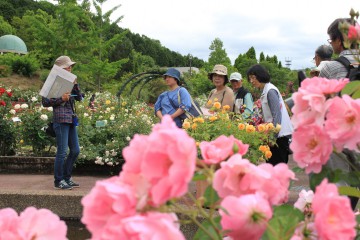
x: 13, y: 44
x: 187, y: 69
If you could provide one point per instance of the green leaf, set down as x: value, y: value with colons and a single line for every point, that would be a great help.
x: 198, y: 176
x: 201, y: 235
x: 352, y: 89
x: 211, y: 196
x: 349, y: 191
x: 297, y: 170
x: 283, y: 223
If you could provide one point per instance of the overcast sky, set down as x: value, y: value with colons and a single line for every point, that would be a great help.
x: 288, y: 29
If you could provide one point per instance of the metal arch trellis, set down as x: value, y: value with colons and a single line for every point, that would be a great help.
x: 145, y: 82
x: 122, y: 88
x: 142, y: 79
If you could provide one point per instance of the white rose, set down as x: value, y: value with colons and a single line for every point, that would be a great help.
x: 128, y: 138
x: 108, y: 109
x: 86, y: 114
x: 34, y: 99
x: 110, y: 163
x: 50, y: 109
x: 44, y: 117
x: 17, y: 106
x: 24, y: 106
x: 112, y: 118
x: 12, y: 111
x: 107, y: 153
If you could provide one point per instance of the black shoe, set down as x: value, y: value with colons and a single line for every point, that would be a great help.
x: 71, y: 183
x: 62, y: 185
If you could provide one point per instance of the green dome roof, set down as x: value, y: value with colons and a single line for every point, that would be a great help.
x: 11, y: 43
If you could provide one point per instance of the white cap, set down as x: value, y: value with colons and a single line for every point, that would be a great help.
x: 235, y: 76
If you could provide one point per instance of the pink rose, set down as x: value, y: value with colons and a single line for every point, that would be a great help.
x: 246, y: 217
x: 218, y: 150
x: 109, y: 199
x: 238, y: 176
x: 308, y: 108
x: 343, y: 122
x: 150, y: 225
x: 276, y: 190
x: 8, y: 223
x: 311, y: 146
x: 323, y: 85
x: 41, y: 224
x: 334, y: 218
x: 166, y: 159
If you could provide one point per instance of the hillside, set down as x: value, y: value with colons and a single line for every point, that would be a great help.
x: 21, y: 82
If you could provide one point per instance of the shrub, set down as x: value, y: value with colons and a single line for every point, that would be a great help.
x: 25, y: 66
x: 5, y: 71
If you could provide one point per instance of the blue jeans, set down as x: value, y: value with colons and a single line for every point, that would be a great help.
x: 66, y: 136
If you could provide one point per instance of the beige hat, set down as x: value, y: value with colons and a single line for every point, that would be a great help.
x: 220, y: 70
x: 64, y: 62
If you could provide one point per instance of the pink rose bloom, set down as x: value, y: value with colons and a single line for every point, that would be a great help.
x: 304, y: 201
x: 8, y: 224
x: 218, y: 150
x: 323, y: 85
x: 334, y: 218
x: 312, y: 147
x: 247, y: 216
x: 276, y: 190
x: 238, y: 176
x: 41, y: 224
x: 151, y: 225
x: 308, y: 108
x: 109, y: 199
x: 353, y: 33
x: 343, y: 122
x: 166, y: 159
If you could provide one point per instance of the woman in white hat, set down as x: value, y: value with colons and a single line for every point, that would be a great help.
x: 222, y: 93
x: 65, y: 122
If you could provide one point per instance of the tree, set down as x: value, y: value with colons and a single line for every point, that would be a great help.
x: 262, y: 57
x: 5, y: 27
x: 251, y: 54
x: 218, y: 54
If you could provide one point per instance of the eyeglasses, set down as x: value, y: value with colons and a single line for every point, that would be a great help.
x: 329, y: 41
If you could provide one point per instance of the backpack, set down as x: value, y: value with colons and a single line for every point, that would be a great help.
x: 194, y: 110
x: 353, y: 71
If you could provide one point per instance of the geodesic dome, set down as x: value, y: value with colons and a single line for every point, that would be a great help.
x: 12, y: 43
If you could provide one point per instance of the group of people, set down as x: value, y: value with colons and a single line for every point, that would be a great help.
x: 238, y: 99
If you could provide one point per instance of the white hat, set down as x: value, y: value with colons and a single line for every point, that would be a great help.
x: 236, y: 76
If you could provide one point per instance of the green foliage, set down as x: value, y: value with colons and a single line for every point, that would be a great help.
x: 218, y: 54
x: 5, y: 27
x: 352, y: 89
x: 283, y: 223
x: 251, y: 54
x: 198, y: 84
x: 25, y: 65
x: 209, y: 226
x: 32, y: 132
x: 7, y: 136
x: 5, y: 71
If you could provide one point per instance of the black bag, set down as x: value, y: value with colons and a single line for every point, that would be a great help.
x: 353, y: 71
x: 50, y: 130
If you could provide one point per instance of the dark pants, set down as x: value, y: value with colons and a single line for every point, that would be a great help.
x: 280, y: 153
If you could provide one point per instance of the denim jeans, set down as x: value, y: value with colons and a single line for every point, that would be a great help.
x: 66, y: 136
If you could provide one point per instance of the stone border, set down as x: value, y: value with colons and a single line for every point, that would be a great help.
x: 45, y: 165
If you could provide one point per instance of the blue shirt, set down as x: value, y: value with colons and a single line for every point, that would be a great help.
x: 164, y: 105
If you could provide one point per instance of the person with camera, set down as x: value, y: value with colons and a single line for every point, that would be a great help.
x: 64, y: 123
